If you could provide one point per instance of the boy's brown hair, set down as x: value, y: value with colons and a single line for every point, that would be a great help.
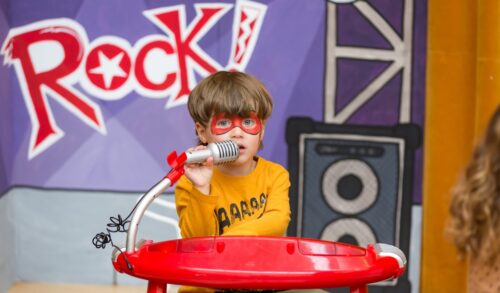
x: 235, y: 93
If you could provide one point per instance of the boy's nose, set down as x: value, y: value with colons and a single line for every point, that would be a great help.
x: 236, y: 132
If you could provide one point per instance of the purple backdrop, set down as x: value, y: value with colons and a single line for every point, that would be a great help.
x: 288, y: 55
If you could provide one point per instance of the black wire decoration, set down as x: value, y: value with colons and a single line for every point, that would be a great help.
x: 116, y: 225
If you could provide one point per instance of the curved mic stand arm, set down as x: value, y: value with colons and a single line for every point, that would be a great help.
x: 143, y: 205
x: 177, y: 164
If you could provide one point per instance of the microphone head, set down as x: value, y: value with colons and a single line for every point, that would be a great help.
x: 224, y: 151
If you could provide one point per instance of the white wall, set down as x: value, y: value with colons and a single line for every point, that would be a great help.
x: 53, y: 232
x: 7, y: 268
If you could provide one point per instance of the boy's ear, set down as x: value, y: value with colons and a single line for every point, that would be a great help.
x: 202, y: 132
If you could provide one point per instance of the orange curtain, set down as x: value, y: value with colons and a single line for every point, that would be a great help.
x: 463, y: 89
x: 488, y: 63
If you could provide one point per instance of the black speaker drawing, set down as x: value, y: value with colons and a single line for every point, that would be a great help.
x: 353, y: 184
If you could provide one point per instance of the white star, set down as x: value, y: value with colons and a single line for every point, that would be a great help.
x: 109, y: 68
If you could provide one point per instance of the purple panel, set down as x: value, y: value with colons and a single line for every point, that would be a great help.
x: 6, y: 119
x: 140, y: 131
x: 112, y: 17
x: 23, y: 12
x: 355, y: 30
x: 418, y: 87
x: 387, y: 9
x: 382, y: 108
x: 4, y: 11
x: 353, y: 76
x: 289, y: 58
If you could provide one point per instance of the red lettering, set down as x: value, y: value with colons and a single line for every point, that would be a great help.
x: 48, y: 57
x: 140, y: 73
x: 101, y: 77
x: 170, y: 21
x: 37, y: 83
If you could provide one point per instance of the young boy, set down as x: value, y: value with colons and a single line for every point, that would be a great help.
x: 248, y: 196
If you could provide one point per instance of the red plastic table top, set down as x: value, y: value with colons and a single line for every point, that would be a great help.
x: 251, y: 262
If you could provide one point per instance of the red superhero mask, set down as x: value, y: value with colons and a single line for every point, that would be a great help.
x: 222, y: 123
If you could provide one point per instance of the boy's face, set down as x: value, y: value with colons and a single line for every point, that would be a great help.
x: 247, y: 132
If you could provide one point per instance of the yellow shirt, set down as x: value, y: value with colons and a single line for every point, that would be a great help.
x: 255, y: 204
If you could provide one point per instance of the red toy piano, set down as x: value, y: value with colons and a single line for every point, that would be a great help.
x: 260, y: 263
x: 251, y: 262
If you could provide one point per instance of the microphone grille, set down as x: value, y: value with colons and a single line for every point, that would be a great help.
x: 225, y: 152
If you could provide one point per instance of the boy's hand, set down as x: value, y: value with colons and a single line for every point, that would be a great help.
x: 200, y: 174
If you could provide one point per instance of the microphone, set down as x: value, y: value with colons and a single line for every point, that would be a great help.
x: 222, y: 152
